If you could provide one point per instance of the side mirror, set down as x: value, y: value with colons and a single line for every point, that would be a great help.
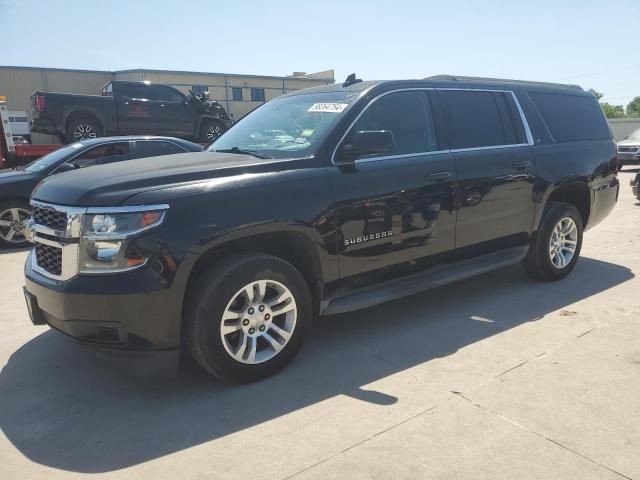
x: 367, y: 142
x: 65, y: 167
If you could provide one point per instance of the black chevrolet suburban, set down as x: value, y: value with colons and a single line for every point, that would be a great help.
x: 321, y: 201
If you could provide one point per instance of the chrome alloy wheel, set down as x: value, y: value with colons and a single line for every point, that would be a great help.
x: 213, y: 131
x: 12, y: 223
x: 82, y: 132
x: 563, y: 242
x: 258, y: 322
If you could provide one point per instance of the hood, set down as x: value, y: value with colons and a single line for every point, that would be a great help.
x: 17, y: 183
x: 110, y: 185
x: 11, y: 174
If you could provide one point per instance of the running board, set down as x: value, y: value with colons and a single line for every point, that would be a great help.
x: 422, y: 281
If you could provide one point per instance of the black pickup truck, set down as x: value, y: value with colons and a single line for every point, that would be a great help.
x: 128, y: 108
x: 321, y: 201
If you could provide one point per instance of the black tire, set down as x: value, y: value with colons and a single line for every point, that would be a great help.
x: 538, y: 261
x: 77, y: 127
x: 210, y: 130
x: 208, y: 298
x: 5, y: 215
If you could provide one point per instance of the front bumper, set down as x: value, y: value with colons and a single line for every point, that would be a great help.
x: 628, y: 158
x: 129, y: 311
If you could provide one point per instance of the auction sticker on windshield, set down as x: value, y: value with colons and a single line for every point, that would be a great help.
x: 328, y: 107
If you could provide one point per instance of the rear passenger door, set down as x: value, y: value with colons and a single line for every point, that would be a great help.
x: 495, y: 166
x: 395, y: 208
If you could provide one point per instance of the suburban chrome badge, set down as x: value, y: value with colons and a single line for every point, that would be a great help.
x: 367, y: 238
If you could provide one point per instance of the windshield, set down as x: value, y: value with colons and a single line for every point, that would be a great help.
x: 288, y: 127
x: 635, y: 135
x: 52, y: 158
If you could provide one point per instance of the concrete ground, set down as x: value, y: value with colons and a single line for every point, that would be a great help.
x: 495, y: 377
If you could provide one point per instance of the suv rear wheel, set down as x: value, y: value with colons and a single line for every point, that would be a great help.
x: 555, y: 247
x: 247, y: 317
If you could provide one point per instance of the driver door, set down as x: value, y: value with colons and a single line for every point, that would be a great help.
x: 135, y: 114
x: 396, y: 208
x: 172, y: 112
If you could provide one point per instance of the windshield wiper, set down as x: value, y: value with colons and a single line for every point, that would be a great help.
x: 243, y: 152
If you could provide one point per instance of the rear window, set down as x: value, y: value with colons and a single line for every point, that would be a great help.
x: 571, y: 117
x: 475, y: 119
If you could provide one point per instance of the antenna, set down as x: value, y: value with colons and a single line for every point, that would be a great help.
x: 351, y: 80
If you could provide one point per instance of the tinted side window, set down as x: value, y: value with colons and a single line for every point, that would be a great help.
x: 474, y: 119
x: 132, y: 90
x: 156, y: 149
x: 167, y: 94
x: 407, y: 115
x: 572, y: 117
x: 103, y: 154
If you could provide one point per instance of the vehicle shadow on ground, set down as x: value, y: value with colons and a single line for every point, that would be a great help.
x: 4, y: 251
x: 64, y: 407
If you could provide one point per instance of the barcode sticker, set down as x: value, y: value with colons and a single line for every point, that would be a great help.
x: 328, y: 107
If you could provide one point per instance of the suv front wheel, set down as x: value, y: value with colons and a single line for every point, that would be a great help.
x: 247, y: 317
x: 556, y: 245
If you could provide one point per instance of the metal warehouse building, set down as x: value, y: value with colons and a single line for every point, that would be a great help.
x: 239, y: 94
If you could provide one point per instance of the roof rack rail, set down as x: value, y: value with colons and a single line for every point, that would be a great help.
x: 460, y: 78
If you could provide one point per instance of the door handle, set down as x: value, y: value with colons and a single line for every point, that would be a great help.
x: 521, y: 164
x: 437, y: 177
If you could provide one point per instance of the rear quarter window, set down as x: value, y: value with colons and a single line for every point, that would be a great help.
x: 572, y: 118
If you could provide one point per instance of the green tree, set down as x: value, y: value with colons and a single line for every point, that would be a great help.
x: 613, y: 111
x: 633, y: 109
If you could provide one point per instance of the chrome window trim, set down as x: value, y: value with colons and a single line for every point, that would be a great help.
x: 523, y: 118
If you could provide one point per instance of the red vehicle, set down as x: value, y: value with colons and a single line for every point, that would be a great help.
x: 12, y: 155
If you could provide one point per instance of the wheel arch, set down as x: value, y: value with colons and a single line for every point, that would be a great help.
x: 208, y: 118
x: 577, y: 194
x: 294, y: 247
x: 83, y: 113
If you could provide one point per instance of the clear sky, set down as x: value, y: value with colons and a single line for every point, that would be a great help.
x: 595, y: 43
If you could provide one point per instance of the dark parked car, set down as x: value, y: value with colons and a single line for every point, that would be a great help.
x: 321, y: 201
x: 127, y: 108
x: 16, y: 185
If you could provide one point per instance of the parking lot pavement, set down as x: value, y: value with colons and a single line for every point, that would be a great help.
x: 494, y: 377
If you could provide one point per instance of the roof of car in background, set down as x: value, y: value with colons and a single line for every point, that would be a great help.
x: 192, y: 147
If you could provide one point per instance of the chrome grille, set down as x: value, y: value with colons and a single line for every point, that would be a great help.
x: 50, y: 218
x: 49, y: 258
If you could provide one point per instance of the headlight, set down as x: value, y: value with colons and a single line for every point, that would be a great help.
x: 106, y: 244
